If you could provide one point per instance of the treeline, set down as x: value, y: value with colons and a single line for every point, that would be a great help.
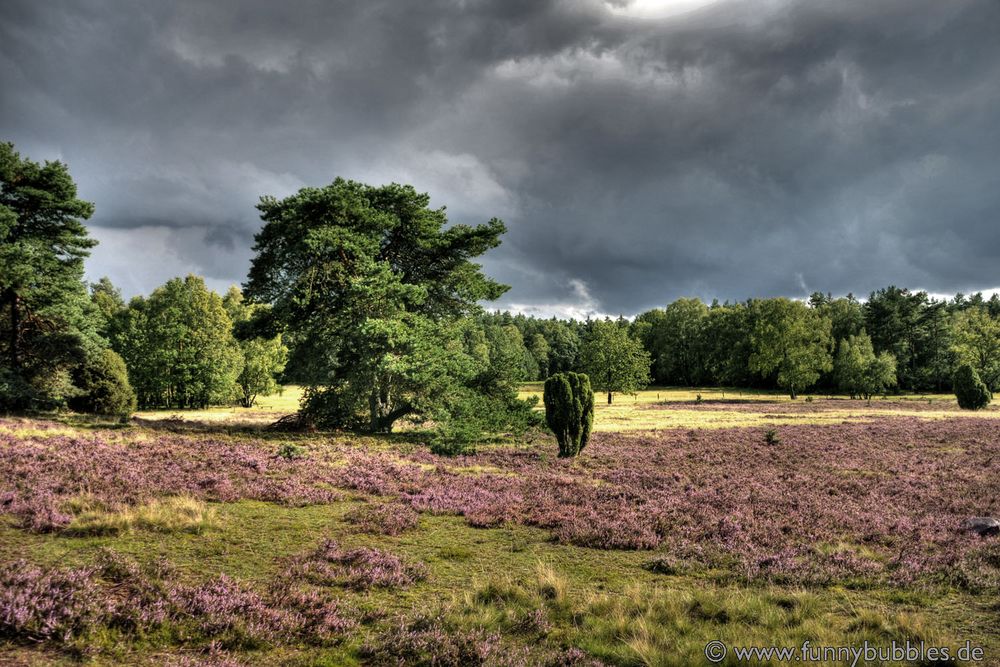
x: 904, y: 339
x: 369, y: 299
x: 187, y: 347
x: 63, y: 345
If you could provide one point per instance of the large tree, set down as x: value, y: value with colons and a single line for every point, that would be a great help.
x: 677, y: 340
x: 859, y: 371
x: 791, y: 340
x: 370, y: 283
x: 47, y: 325
x: 977, y: 343
x: 178, y: 345
x: 615, y: 361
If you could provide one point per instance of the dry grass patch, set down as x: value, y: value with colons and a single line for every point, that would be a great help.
x: 174, y: 514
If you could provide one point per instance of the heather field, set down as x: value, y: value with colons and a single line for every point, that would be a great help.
x: 203, y: 538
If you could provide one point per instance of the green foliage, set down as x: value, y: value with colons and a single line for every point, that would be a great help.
x: 456, y: 438
x: 102, y: 381
x: 569, y: 410
x: 47, y: 325
x: 677, y: 342
x: 108, y: 302
x: 728, y: 344
x: 790, y: 340
x: 178, y: 346
x: 916, y: 331
x: 370, y: 285
x: 470, y: 414
x: 263, y: 358
x: 290, y: 451
x: 977, y: 343
x: 615, y: 361
x: 971, y: 392
x: 858, y: 371
x: 539, y: 349
x: 771, y: 437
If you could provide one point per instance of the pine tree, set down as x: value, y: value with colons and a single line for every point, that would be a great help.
x: 47, y: 324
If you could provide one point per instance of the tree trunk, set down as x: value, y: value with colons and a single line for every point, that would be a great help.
x: 609, y: 398
x: 381, y: 413
x: 794, y: 395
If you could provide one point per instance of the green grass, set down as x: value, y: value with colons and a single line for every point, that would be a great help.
x: 605, y: 602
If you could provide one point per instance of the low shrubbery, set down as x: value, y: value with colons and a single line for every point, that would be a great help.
x: 383, y: 518
x: 360, y: 568
x: 104, y: 387
x: 971, y: 392
x: 64, y: 605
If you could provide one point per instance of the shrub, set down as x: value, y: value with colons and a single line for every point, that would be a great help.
x: 290, y: 451
x: 569, y: 410
x: 970, y: 390
x: 456, y: 438
x: 771, y: 437
x: 430, y: 640
x: 104, y: 387
x: 358, y: 569
x: 469, y: 416
x: 37, y: 604
x: 384, y: 518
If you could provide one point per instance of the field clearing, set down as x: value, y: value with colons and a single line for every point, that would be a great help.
x: 683, y: 521
x: 668, y: 408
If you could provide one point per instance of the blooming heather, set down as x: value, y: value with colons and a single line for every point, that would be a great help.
x: 882, y: 500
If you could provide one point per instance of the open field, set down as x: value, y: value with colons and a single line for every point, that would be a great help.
x: 745, y: 518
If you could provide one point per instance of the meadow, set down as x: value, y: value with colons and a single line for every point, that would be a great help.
x: 203, y: 538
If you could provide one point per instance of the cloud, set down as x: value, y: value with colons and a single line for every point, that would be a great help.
x: 646, y: 150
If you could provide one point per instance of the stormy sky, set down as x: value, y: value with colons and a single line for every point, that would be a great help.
x: 637, y: 151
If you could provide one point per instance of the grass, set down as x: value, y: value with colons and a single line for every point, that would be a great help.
x: 623, y: 607
x: 175, y: 514
x: 659, y: 408
x: 605, y: 602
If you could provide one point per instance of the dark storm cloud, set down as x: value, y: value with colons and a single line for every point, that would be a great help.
x: 740, y: 149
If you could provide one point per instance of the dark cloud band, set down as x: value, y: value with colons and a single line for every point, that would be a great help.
x: 740, y: 149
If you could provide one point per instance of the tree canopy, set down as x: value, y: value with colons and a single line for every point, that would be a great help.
x: 615, y: 361
x: 861, y: 372
x: 792, y: 341
x: 263, y: 358
x: 370, y: 282
x: 47, y: 324
x: 178, y: 345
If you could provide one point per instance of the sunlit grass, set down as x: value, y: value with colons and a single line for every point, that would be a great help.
x: 266, y: 410
x: 175, y: 514
x: 668, y: 407
x: 655, y: 408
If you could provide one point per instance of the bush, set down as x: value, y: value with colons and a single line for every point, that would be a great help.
x: 971, y: 392
x: 456, y: 438
x: 569, y: 410
x: 384, y: 518
x: 104, y: 387
x: 470, y: 416
x: 290, y: 451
